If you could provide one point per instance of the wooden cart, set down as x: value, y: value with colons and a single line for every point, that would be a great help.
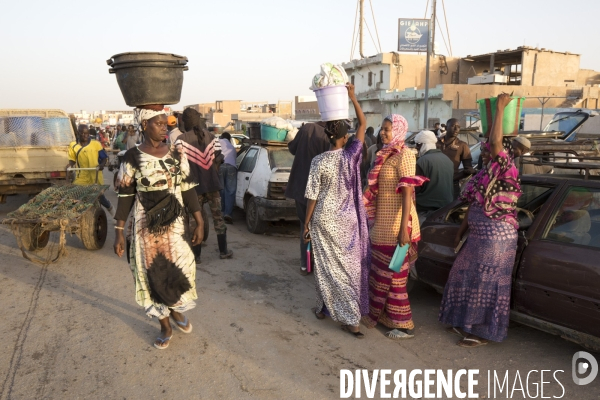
x: 69, y: 208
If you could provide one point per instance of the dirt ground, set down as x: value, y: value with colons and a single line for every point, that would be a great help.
x: 72, y: 330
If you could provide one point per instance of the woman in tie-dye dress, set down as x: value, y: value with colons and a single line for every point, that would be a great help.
x: 154, y: 186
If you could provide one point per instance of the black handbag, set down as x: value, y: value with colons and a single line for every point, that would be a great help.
x: 166, y: 211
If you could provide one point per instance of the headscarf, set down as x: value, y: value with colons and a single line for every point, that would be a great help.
x: 144, y: 114
x: 399, y: 130
x: 428, y: 141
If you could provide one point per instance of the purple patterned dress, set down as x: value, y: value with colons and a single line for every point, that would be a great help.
x: 477, y: 294
x: 339, y: 234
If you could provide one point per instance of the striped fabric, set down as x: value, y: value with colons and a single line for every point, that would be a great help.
x: 204, y: 159
x: 388, y: 298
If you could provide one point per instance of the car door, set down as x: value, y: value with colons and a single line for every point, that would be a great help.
x: 558, y: 279
x: 436, y: 248
x: 245, y: 169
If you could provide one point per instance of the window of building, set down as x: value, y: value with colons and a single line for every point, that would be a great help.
x: 352, y: 79
x: 370, y: 78
x: 381, y: 76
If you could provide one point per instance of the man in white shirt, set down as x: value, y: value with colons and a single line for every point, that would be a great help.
x: 228, y: 177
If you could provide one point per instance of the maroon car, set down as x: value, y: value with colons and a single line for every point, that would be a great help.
x: 556, y: 278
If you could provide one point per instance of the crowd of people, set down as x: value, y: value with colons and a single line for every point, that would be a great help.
x: 357, y: 228
x: 360, y: 199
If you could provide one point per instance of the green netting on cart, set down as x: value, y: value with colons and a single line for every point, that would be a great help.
x: 59, y: 202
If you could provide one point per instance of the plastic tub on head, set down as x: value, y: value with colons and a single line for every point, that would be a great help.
x: 332, y: 102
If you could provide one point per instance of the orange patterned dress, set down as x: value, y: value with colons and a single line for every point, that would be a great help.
x: 388, y: 299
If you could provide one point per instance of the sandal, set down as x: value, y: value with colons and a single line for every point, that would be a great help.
x: 358, y: 335
x: 466, y: 342
x: 397, y: 334
x: 183, y: 326
x: 319, y: 315
x: 162, y: 341
x: 456, y: 331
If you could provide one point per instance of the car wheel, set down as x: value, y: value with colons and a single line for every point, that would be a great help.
x: 253, y: 221
x: 93, y: 228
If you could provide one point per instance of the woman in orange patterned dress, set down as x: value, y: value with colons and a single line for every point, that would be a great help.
x: 391, y: 211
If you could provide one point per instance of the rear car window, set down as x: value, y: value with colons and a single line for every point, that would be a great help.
x: 281, y: 158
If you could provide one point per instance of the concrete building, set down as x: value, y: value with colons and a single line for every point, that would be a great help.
x: 394, y: 83
x: 236, y: 113
x: 306, y: 109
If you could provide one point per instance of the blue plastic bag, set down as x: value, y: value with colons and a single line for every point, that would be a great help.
x: 398, y: 258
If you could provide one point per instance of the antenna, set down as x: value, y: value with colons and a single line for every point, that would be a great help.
x: 360, y: 28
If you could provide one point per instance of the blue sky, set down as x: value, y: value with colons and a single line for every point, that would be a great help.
x: 54, y: 52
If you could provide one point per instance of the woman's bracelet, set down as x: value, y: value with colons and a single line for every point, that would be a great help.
x: 121, y: 228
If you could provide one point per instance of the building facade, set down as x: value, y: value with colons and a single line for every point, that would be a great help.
x: 395, y: 83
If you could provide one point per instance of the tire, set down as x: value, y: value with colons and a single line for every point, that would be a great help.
x: 253, y: 221
x: 33, y: 238
x: 206, y: 224
x: 93, y: 228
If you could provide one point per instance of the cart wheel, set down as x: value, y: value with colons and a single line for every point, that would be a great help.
x: 206, y: 223
x: 93, y: 228
x: 253, y: 221
x: 33, y: 238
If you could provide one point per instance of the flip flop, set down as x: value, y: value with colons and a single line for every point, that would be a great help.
x: 181, y: 325
x: 162, y: 341
x: 455, y: 331
x: 476, y: 342
x: 358, y: 335
x: 397, y: 334
x: 314, y: 310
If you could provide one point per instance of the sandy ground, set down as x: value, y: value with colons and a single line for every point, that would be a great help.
x: 73, y: 330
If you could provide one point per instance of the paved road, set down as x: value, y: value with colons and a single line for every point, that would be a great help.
x: 73, y: 330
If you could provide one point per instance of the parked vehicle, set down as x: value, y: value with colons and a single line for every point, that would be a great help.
x: 556, y: 278
x: 263, y: 173
x: 567, y: 126
x: 34, y: 148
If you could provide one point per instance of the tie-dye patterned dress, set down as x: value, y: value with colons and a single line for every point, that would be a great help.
x: 162, y: 263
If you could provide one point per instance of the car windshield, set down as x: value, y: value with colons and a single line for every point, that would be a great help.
x: 564, y: 122
x: 281, y: 158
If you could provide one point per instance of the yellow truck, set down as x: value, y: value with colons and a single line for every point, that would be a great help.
x: 34, y: 146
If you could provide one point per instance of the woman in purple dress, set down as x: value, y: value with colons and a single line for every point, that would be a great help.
x: 337, y: 226
x: 476, y: 300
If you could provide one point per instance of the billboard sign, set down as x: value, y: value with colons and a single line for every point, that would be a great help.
x: 413, y: 34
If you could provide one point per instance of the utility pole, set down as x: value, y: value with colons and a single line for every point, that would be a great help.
x: 430, y: 52
x: 360, y: 29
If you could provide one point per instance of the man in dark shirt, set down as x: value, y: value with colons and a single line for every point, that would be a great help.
x: 310, y: 141
x: 433, y: 164
x: 203, y: 152
x: 458, y: 152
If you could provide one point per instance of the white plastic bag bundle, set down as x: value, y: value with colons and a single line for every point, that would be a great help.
x: 278, y: 123
x: 291, y: 135
x: 330, y: 75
